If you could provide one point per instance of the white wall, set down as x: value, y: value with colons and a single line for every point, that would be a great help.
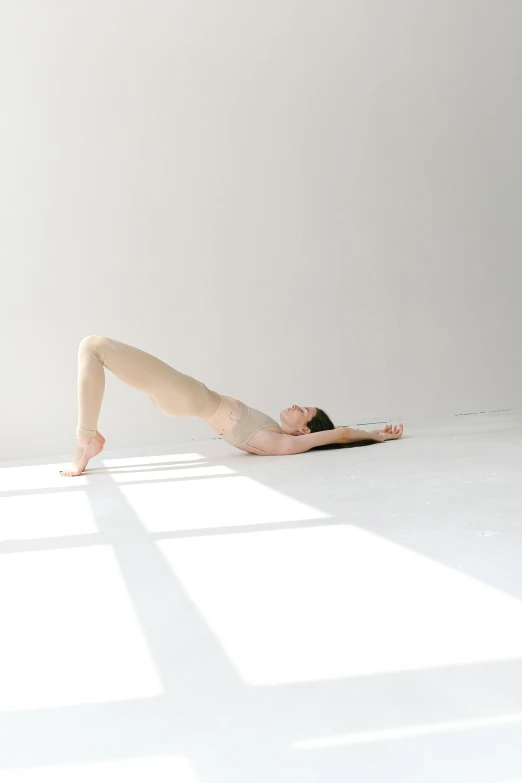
x: 308, y: 201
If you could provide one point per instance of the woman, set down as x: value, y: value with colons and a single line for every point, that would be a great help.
x: 177, y: 394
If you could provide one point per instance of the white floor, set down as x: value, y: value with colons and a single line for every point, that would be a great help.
x: 200, y: 615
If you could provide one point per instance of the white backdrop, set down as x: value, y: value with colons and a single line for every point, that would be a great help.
x: 304, y: 201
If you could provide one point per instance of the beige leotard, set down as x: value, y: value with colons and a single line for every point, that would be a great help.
x: 251, y: 421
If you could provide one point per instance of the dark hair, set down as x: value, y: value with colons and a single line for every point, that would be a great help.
x: 321, y: 421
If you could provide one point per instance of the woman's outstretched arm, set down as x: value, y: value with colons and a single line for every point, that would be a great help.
x: 275, y: 444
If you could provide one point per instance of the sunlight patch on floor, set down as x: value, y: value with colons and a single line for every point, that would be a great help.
x: 405, y: 732
x: 48, y: 515
x: 32, y: 477
x: 213, y: 503
x: 69, y: 631
x: 330, y: 602
x: 172, y: 474
x: 155, y: 459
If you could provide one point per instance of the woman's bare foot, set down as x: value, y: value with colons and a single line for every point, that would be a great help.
x: 84, y: 450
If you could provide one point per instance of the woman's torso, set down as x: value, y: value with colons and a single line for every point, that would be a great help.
x: 238, y: 424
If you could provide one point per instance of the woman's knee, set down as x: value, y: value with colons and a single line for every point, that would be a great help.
x: 92, y: 344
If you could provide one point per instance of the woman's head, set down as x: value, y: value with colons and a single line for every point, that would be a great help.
x: 299, y: 420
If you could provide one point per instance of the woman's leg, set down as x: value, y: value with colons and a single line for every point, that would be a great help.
x: 91, y: 386
x: 173, y: 392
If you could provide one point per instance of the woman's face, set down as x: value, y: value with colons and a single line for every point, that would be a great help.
x: 294, y: 420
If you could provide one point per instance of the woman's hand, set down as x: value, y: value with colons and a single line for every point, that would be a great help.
x: 390, y: 432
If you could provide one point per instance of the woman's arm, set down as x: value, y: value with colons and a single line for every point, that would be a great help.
x: 274, y: 444
x: 303, y: 443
